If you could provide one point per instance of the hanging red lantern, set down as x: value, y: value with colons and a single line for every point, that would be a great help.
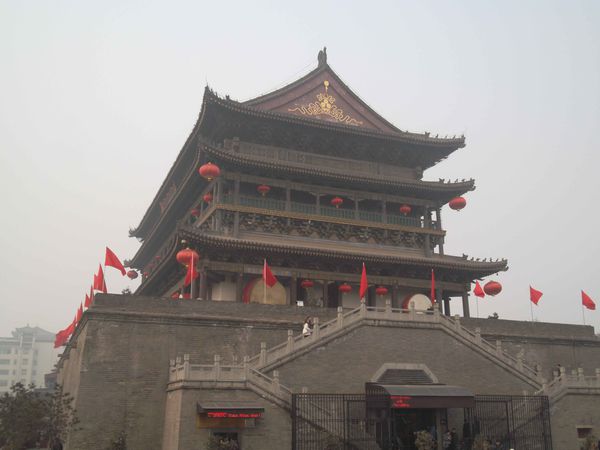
x: 195, y: 212
x: 492, y: 288
x: 208, y: 197
x: 263, y: 189
x: 307, y: 284
x: 185, y: 256
x: 345, y: 288
x: 209, y: 171
x: 457, y: 203
x: 405, y: 209
x: 337, y: 201
x: 381, y: 291
x: 132, y: 274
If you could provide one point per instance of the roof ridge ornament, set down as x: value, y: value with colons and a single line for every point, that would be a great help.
x: 322, y: 57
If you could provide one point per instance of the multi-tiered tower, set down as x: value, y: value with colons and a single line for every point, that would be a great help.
x: 316, y: 182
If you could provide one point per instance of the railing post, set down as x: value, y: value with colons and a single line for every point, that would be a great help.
x: 436, y: 315
x: 498, y: 347
x: 457, y: 323
x: 275, y: 382
x: 411, y: 311
x: 363, y: 309
x: 478, y: 335
x: 217, y: 367
x: 290, y: 341
x: 246, y: 367
x: 186, y: 366
x: 580, y: 374
x: 263, y: 353
x: 304, y: 390
x: 538, y: 372
x: 340, y: 317
x: 520, y: 360
x: 563, y: 375
x: 316, y: 333
x: 388, y: 308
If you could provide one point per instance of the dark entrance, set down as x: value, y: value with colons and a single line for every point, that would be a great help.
x: 359, y: 421
x: 406, y: 422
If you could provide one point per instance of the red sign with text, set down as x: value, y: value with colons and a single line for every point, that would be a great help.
x: 232, y: 415
x: 401, y: 401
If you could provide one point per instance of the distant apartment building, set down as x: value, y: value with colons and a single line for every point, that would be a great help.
x: 26, y: 357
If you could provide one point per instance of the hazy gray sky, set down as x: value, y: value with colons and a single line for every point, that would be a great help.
x: 97, y: 98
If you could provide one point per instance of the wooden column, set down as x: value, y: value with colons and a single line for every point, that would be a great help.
x: 288, y: 199
x: 203, y: 284
x: 293, y: 289
x: 439, y: 293
x: 384, y: 211
x: 236, y: 224
x: 239, y: 286
x: 236, y: 192
x: 355, y: 208
x: 447, y: 306
x: 427, y: 224
x: 438, y: 219
x: 325, y: 293
x: 318, y: 196
x: 465, y: 303
x: 394, y: 296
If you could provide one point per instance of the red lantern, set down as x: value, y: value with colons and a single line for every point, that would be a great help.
x: 307, y: 284
x: 405, y: 209
x: 209, y: 171
x: 145, y: 274
x: 195, y: 212
x: 207, y: 197
x: 132, y: 274
x: 336, y: 201
x: 457, y: 203
x: 345, y: 288
x: 492, y: 288
x: 263, y: 189
x: 185, y: 256
x: 381, y: 291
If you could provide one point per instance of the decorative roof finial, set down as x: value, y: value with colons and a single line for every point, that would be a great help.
x: 322, y: 57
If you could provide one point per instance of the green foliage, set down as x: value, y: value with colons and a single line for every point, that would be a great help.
x: 28, y: 417
x: 424, y: 440
x: 590, y: 443
x: 481, y: 443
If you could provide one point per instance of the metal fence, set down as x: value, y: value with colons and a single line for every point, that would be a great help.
x: 349, y: 422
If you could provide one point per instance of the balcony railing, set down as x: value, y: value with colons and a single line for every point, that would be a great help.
x: 313, y: 209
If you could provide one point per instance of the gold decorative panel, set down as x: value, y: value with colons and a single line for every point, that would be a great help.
x: 325, y: 105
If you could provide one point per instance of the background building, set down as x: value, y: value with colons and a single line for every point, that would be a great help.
x: 26, y: 357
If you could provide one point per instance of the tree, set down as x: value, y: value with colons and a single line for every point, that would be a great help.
x: 28, y: 417
x: 424, y: 440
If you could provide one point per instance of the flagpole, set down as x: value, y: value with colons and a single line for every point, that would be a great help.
x: 531, y: 307
x: 192, y: 279
x: 583, y: 313
x: 264, y: 282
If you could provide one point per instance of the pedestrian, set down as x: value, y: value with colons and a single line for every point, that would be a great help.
x: 453, y: 440
x: 308, y: 327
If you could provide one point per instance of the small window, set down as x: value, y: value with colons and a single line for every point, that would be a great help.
x: 584, y: 432
x: 227, y: 438
x: 23, y: 371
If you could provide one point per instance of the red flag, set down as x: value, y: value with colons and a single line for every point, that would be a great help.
x: 478, y: 291
x: 91, y: 295
x: 99, y: 282
x: 192, y: 273
x: 535, y: 295
x: 111, y: 260
x: 268, y: 276
x: 61, y: 338
x: 79, y: 313
x: 587, y: 301
x: 364, y: 284
x: 432, y: 294
x: 87, y: 302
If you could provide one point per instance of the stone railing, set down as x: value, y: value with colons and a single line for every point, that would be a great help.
x: 563, y: 383
x: 221, y: 375
x: 298, y: 344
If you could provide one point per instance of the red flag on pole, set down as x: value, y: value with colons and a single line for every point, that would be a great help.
x: 535, y: 295
x: 268, y: 276
x: 61, y: 338
x: 192, y: 273
x: 587, y: 301
x: 364, y: 284
x: 478, y: 291
x: 111, y: 260
x: 79, y: 313
x: 88, y: 301
x: 99, y: 282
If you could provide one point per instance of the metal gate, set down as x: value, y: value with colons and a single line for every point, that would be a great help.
x: 343, y: 422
